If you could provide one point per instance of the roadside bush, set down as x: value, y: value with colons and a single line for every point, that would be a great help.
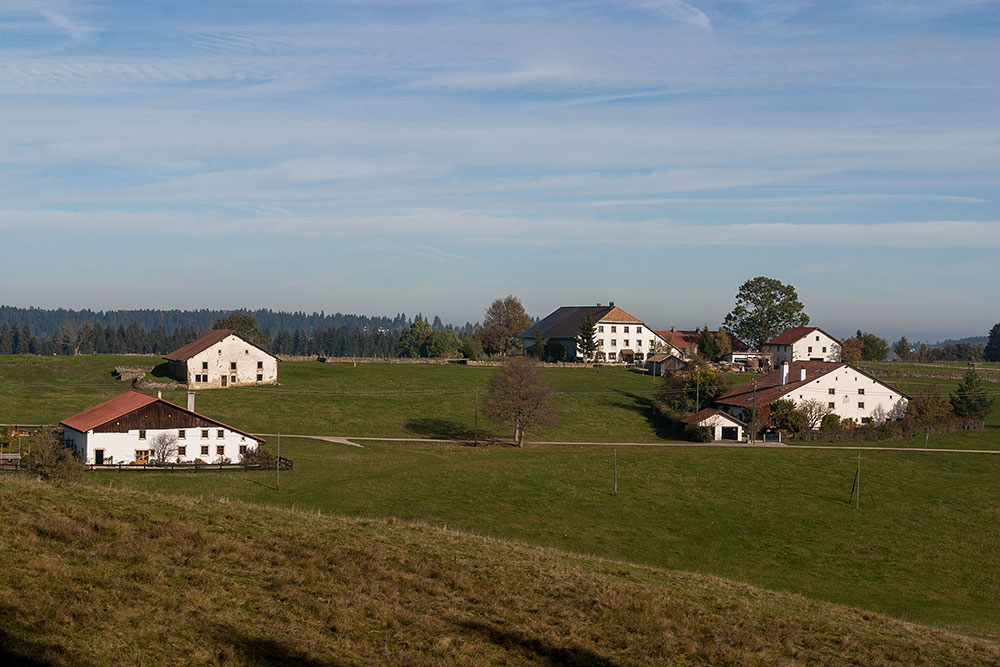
x: 831, y: 422
x: 696, y: 433
x: 45, y: 457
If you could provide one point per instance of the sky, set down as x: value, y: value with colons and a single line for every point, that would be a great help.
x: 387, y: 156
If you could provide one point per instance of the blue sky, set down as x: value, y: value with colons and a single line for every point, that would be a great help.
x: 399, y: 156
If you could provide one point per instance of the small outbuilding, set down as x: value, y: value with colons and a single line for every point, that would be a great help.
x: 722, y: 425
x: 221, y: 359
x: 662, y: 364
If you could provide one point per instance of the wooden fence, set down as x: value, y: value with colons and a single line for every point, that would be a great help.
x: 281, y: 462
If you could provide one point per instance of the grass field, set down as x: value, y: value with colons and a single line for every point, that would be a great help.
x: 91, y: 576
x: 925, y: 551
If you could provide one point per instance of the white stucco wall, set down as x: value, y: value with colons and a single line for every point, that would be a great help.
x: 613, y: 337
x: 121, y: 447
x: 217, y: 361
x: 816, y: 346
x: 848, y: 400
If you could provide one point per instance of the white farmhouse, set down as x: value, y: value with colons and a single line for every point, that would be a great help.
x: 847, y: 391
x: 723, y: 426
x: 220, y: 358
x: 803, y: 344
x: 121, y: 430
x: 619, y: 336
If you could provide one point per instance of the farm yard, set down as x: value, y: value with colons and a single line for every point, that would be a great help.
x: 917, y: 548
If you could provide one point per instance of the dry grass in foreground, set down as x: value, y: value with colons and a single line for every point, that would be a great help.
x: 93, y: 576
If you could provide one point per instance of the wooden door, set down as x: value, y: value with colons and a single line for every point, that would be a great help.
x: 225, y: 378
x: 98, y: 457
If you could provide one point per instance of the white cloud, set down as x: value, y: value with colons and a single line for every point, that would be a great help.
x: 675, y: 10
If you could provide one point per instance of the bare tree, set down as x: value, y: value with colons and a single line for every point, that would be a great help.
x: 520, y: 396
x: 163, y: 447
x: 814, y: 410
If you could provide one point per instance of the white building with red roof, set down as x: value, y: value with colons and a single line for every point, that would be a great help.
x: 845, y: 390
x: 803, y: 344
x: 620, y: 336
x: 220, y: 358
x: 121, y: 431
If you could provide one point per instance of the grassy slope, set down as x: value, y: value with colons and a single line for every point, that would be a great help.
x: 95, y: 577
x: 774, y: 518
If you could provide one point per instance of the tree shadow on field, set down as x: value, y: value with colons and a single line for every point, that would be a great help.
x: 536, y: 648
x: 19, y: 647
x: 444, y: 429
x: 644, y: 406
x: 160, y: 370
x: 260, y: 651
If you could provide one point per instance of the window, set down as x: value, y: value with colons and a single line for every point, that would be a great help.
x: 611, y: 356
x: 638, y: 330
x: 600, y: 329
x: 260, y: 365
x: 232, y: 378
x: 614, y: 329
x: 260, y: 377
x: 204, y: 434
x: 831, y: 405
x: 810, y: 349
x: 817, y: 337
x: 861, y: 406
x: 204, y: 365
x: 866, y: 420
x: 626, y: 329
x: 243, y: 450
x: 142, y: 434
x: 861, y: 390
x: 204, y: 450
x: 181, y: 434
x: 232, y: 365
x: 638, y: 342
x: 824, y: 350
x: 142, y: 456
x: 182, y: 450
x: 220, y: 433
x: 831, y: 391
x: 625, y: 342
x: 220, y: 450
x: 614, y: 343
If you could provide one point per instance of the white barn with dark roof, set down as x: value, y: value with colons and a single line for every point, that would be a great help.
x: 220, y: 358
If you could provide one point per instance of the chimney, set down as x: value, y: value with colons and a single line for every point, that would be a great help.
x: 784, y: 373
x: 159, y: 394
x: 611, y: 303
x: 802, y: 374
x: 191, y: 401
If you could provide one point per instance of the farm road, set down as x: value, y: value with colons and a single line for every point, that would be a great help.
x: 350, y: 441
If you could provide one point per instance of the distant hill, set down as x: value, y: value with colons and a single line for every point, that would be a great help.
x: 971, y: 340
x: 100, y: 576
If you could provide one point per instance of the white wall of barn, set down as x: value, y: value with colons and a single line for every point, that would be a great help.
x: 236, y: 360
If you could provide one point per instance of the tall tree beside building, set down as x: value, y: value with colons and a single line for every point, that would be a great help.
x: 520, y: 396
x: 873, y: 348
x: 764, y: 308
x: 851, y: 350
x: 992, y: 350
x: 586, y: 345
x: 246, y: 328
x: 505, y: 319
x: 412, y: 340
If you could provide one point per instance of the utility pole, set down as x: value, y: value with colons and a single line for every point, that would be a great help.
x: 856, y: 487
x: 476, y: 431
x: 753, y: 416
x: 697, y: 393
x: 616, y: 471
x: 277, y: 468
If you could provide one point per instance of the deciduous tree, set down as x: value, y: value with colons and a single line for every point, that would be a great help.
x: 873, y: 348
x: 929, y: 406
x: 850, y: 350
x: 815, y: 411
x: 764, y: 308
x: 246, y: 328
x: 163, y: 447
x: 902, y: 349
x: 520, y: 396
x: 412, y: 339
x: 504, y: 321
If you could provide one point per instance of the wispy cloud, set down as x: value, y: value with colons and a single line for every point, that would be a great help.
x: 78, y: 30
x: 676, y: 10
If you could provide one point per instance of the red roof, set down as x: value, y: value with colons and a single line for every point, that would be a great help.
x: 769, y: 387
x: 130, y: 402
x: 683, y: 339
x: 108, y: 410
x: 616, y: 314
x: 200, y: 344
x: 794, y: 335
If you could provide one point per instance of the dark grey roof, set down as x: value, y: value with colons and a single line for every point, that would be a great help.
x: 564, y: 322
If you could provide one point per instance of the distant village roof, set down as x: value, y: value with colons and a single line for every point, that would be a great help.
x: 127, y: 403
x: 564, y: 322
x: 794, y: 335
x: 691, y: 339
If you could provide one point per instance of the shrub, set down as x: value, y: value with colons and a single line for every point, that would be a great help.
x: 696, y: 433
x: 46, y: 458
x: 831, y: 422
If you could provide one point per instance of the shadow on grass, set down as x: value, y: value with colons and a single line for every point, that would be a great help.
x: 538, y: 649
x: 160, y: 371
x: 444, y: 429
x: 261, y: 651
x: 19, y: 647
x: 644, y: 406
